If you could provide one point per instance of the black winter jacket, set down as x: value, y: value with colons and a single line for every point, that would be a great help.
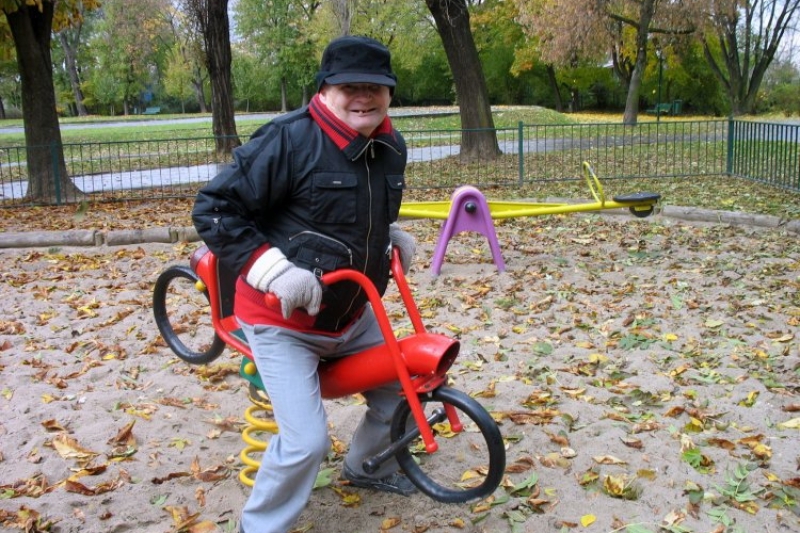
x: 325, y: 206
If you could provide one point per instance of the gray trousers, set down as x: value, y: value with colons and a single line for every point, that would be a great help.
x: 287, y: 363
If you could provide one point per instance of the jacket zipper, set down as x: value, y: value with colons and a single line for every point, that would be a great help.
x: 370, y: 145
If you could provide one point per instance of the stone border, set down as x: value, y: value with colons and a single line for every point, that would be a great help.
x: 47, y: 239
x: 730, y: 218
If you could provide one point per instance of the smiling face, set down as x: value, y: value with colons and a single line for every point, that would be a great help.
x: 362, y: 106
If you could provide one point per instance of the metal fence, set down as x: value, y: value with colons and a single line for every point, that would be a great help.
x: 530, y: 154
x: 539, y: 153
x: 765, y: 152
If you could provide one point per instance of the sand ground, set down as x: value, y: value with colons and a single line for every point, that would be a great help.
x: 656, y: 363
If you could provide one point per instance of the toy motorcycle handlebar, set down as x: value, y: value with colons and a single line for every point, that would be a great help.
x: 349, y: 274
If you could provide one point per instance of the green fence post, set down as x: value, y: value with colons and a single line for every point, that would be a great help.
x: 56, y: 177
x: 520, y: 154
x: 729, y: 158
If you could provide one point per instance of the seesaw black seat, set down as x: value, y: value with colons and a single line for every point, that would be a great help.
x: 637, y: 197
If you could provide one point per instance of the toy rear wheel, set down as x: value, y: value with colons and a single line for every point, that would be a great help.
x: 183, y: 316
x: 468, y: 465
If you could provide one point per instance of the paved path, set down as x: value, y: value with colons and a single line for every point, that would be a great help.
x: 264, y: 117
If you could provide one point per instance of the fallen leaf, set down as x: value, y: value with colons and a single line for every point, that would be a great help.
x: 349, y: 499
x: 608, y: 460
x: 794, y: 423
x: 68, y: 448
x: 632, y: 442
x: 52, y: 425
x: 389, y: 523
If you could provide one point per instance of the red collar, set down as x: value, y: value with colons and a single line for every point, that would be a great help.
x: 340, y: 133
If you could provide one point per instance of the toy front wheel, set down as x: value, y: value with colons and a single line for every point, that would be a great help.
x: 468, y: 465
x: 183, y: 316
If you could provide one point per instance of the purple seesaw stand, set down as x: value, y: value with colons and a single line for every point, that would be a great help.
x: 469, y: 211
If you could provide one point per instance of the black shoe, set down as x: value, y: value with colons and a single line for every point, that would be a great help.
x: 396, y: 482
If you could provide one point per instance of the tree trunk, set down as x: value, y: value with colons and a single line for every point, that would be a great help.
x: 216, y: 36
x: 48, y: 181
x: 479, y: 138
x: 211, y: 17
x: 284, y: 102
x: 343, y: 13
x: 631, y: 115
x: 200, y: 94
x: 646, y: 11
x: 71, y: 63
x: 733, y: 81
x: 551, y: 77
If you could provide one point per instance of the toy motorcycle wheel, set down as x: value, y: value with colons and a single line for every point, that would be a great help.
x: 468, y: 465
x: 183, y: 316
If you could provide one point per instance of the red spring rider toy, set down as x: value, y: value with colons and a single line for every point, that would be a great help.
x: 446, y: 442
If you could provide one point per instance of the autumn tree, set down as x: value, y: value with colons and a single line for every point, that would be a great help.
x: 527, y: 55
x: 71, y: 39
x: 9, y: 88
x: 211, y: 18
x: 31, y: 24
x: 278, y: 37
x: 186, y: 62
x: 782, y: 87
x: 130, y: 47
x: 500, y: 42
x: 478, y: 138
x: 741, y: 41
x: 571, y: 31
x: 178, y: 77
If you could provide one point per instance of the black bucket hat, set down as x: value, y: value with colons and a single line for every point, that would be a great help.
x: 355, y: 59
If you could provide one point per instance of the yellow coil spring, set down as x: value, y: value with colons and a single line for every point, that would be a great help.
x: 259, y: 420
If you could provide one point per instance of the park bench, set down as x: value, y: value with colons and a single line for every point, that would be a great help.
x: 152, y: 111
x: 660, y: 109
x: 668, y: 108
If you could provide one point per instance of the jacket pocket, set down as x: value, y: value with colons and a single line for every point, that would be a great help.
x: 318, y: 253
x: 334, y: 197
x: 395, y: 184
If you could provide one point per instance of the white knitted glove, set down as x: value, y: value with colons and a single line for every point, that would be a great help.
x: 404, y: 242
x: 295, y: 287
x: 266, y: 268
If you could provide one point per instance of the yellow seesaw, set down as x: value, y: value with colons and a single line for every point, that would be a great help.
x: 468, y: 210
x: 640, y: 204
